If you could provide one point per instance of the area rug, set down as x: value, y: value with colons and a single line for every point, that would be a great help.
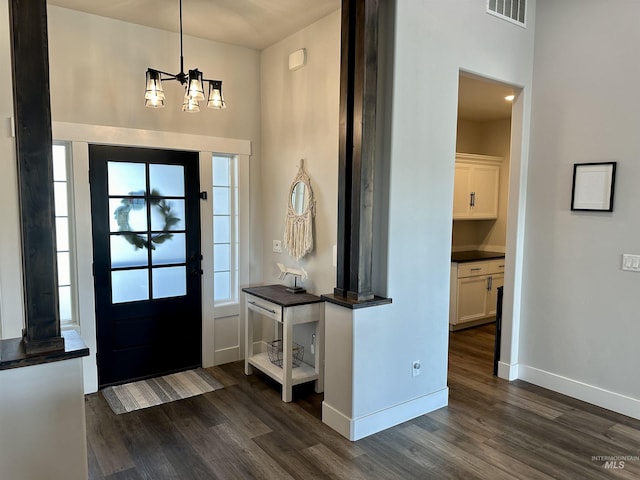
x: 155, y: 391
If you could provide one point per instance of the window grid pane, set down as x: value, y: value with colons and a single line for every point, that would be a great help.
x: 66, y: 290
x: 225, y: 230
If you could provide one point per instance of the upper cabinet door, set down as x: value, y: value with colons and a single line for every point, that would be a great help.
x: 476, y: 187
x: 485, y: 180
x: 461, y: 191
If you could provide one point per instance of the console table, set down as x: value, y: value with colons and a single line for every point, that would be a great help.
x: 287, y: 309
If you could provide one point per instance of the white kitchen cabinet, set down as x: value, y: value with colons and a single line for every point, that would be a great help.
x: 474, y: 292
x: 475, y: 188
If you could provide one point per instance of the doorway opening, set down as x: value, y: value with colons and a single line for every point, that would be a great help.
x: 479, y: 232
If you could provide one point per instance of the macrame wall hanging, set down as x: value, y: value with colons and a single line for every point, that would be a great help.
x: 301, y: 208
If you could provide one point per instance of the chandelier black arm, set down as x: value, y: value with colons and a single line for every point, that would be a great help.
x: 171, y: 76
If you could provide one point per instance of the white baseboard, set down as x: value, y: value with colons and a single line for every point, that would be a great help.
x: 357, y: 428
x: 582, y: 391
x: 507, y: 371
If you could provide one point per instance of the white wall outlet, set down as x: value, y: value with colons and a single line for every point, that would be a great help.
x: 631, y: 262
x: 415, y: 368
x: 277, y: 246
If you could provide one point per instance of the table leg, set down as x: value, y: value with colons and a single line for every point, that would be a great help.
x: 287, y: 363
x: 248, y: 339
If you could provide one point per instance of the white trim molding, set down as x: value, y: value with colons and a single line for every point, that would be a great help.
x: 508, y: 372
x: 78, y: 132
x: 357, y: 428
x: 582, y: 391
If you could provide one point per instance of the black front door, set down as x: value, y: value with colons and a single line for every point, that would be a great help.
x: 146, y: 253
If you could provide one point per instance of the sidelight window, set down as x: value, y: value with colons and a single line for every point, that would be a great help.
x: 225, y: 229
x: 64, y: 245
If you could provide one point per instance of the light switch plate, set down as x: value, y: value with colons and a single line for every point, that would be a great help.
x: 277, y: 246
x: 631, y: 262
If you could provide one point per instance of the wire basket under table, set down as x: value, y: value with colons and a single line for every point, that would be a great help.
x: 274, y: 349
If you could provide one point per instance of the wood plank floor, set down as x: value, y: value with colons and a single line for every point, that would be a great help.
x: 491, y: 429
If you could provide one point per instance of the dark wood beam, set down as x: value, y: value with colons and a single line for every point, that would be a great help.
x: 32, y: 111
x: 358, y: 97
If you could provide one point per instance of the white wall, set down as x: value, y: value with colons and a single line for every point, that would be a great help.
x: 433, y: 42
x: 11, y: 310
x: 42, y: 422
x: 98, y: 66
x: 580, y: 311
x: 300, y: 120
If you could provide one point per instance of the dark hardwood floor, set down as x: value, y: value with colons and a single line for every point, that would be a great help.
x: 492, y: 429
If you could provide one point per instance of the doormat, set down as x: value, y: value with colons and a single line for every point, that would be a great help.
x: 156, y: 391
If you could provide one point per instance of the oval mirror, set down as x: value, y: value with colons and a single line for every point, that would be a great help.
x: 298, y: 198
x: 301, y: 208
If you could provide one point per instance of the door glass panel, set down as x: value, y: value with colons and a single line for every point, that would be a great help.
x: 127, y: 215
x: 221, y: 201
x: 125, y: 251
x: 64, y: 269
x: 171, y: 250
x: 129, y: 285
x: 169, y: 282
x: 221, y: 229
x: 221, y: 259
x: 221, y: 171
x: 167, y: 214
x: 126, y: 178
x: 64, y: 299
x: 166, y: 180
x: 59, y: 163
x: 60, y: 199
x: 221, y: 285
x: 62, y: 237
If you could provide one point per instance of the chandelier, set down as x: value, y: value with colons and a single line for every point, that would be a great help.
x: 193, y: 82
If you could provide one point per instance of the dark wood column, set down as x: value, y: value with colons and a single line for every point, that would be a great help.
x: 32, y: 110
x: 358, y: 97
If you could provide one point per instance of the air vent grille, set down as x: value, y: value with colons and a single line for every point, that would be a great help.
x: 511, y: 10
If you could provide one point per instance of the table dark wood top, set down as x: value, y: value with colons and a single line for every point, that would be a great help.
x: 474, y: 255
x: 278, y: 294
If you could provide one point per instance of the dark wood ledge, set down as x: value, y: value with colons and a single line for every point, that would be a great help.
x: 354, y: 304
x: 13, y: 355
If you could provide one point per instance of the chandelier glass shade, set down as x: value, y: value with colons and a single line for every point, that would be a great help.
x: 193, y: 82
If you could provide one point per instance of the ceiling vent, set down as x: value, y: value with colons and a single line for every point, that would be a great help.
x: 511, y: 10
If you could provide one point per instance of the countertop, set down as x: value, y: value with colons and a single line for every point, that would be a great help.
x: 279, y: 295
x: 474, y: 255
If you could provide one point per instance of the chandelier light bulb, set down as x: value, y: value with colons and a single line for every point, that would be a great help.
x: 215, y: 95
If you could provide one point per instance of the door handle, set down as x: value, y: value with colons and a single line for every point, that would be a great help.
x: 489, y: 283
x: 473, y: 199
x: 196, y: 271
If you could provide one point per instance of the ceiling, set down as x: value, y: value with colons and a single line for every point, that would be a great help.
x: 250, y: 23
x: 483, y: 100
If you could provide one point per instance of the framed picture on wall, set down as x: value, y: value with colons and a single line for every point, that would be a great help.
x: 593, y: 185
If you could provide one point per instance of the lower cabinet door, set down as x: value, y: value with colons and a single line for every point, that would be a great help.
x: 472, y: 298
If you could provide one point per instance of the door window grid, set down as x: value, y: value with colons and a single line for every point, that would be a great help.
x: 64, y: 246
x: 225, y: 229
x: 151, y: 261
